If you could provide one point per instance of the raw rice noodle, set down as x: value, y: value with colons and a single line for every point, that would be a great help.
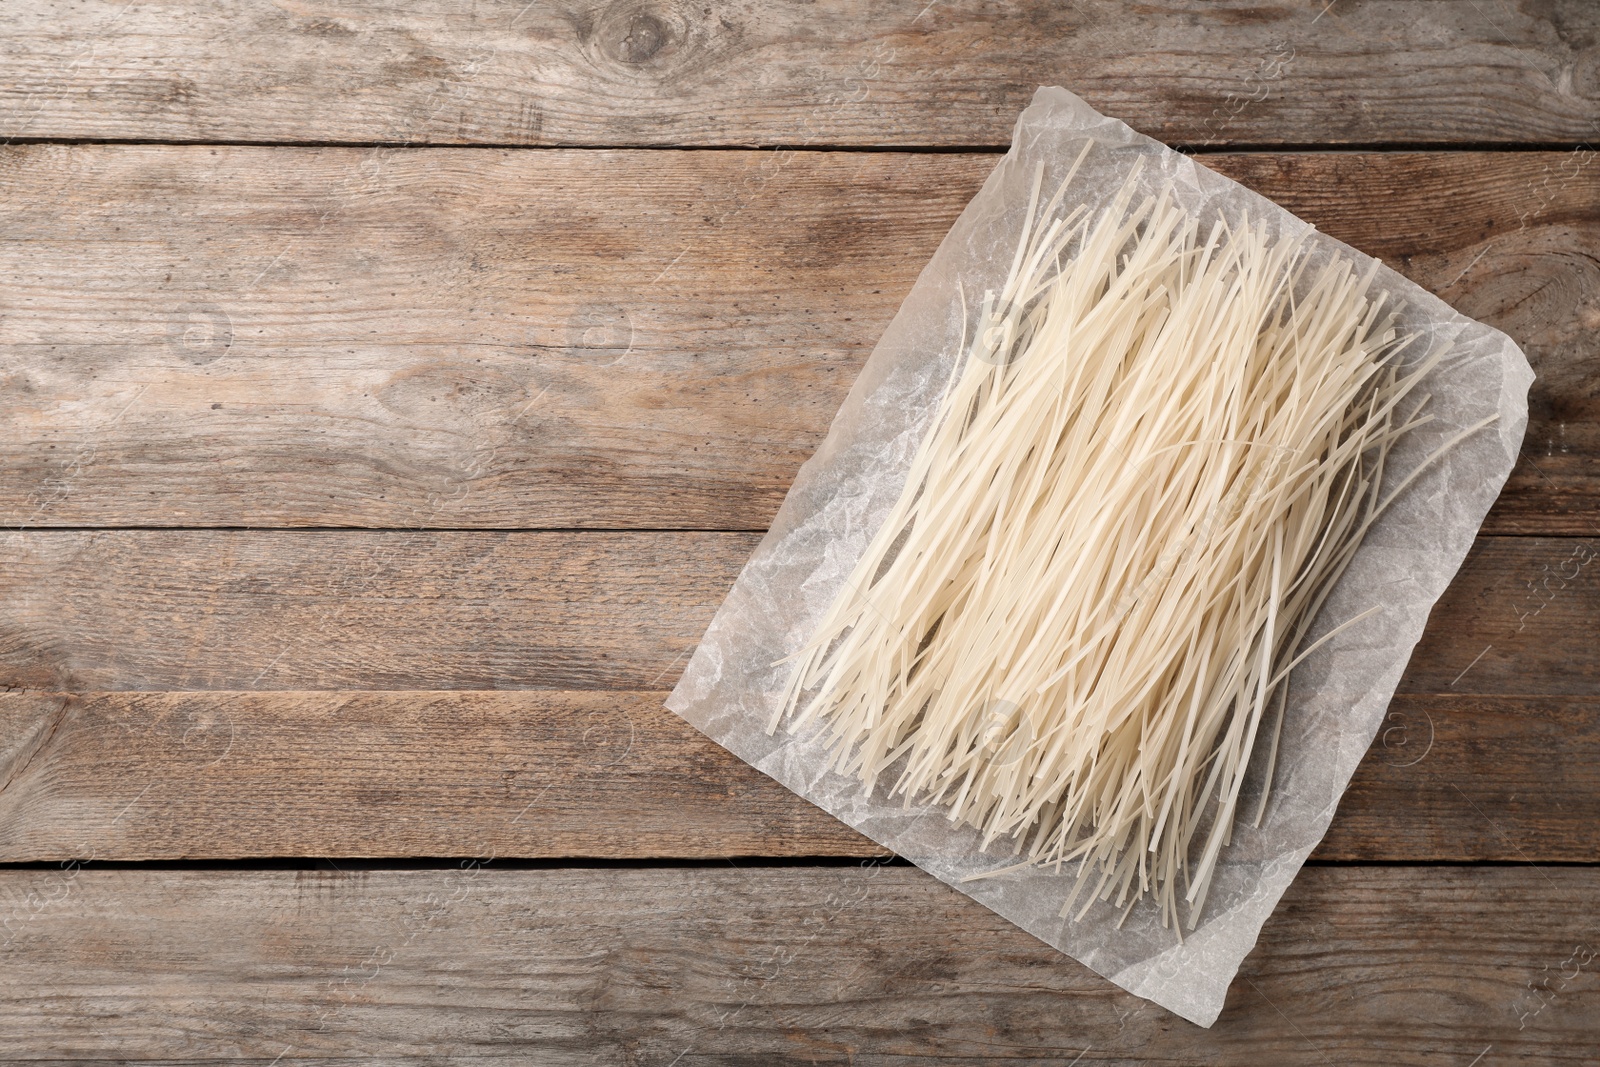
x: 1162, y: 446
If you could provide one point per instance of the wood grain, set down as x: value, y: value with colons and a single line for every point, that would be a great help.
x: 229, y: 775
x: 866, y: 966
x: 447, y: 338
x: 165, y: 610
x: 357, y: 609
x: 176, y: 776
x: 887, y: 72
x: 468, y: 338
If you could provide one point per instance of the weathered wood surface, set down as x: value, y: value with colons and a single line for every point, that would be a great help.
x: 1490, y: 753
x: 171, y: 776
x: 163, y: 610
x: 357, y: 609
x: 443, y: 338
x: 469, y: 338
x: 889, y: 72
x: 881, y: 965
x: 533, y: 774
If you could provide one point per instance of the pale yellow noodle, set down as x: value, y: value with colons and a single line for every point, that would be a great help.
x: 1161, y: 448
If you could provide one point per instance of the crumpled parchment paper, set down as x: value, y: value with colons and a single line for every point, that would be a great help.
x: 1337, y: 697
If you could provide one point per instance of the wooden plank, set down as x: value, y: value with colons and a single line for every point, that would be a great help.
x: 869, y: 966
x: 172, y: 776
x: 228, y: 775
x: 450, y: 338
x: 1519, y: 618
x: 461, y: 338
x: 167, y: 610
x: 357, y: 609
x: 1458, y: 778
x: 890, y: 72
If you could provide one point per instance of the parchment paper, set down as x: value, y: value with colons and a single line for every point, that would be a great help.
x: 1337, y: 697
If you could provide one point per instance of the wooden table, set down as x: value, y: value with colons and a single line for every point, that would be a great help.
x: 388, y: 398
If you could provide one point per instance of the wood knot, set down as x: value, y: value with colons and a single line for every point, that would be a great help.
x: 635, y: 34
x: 644, y: 38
